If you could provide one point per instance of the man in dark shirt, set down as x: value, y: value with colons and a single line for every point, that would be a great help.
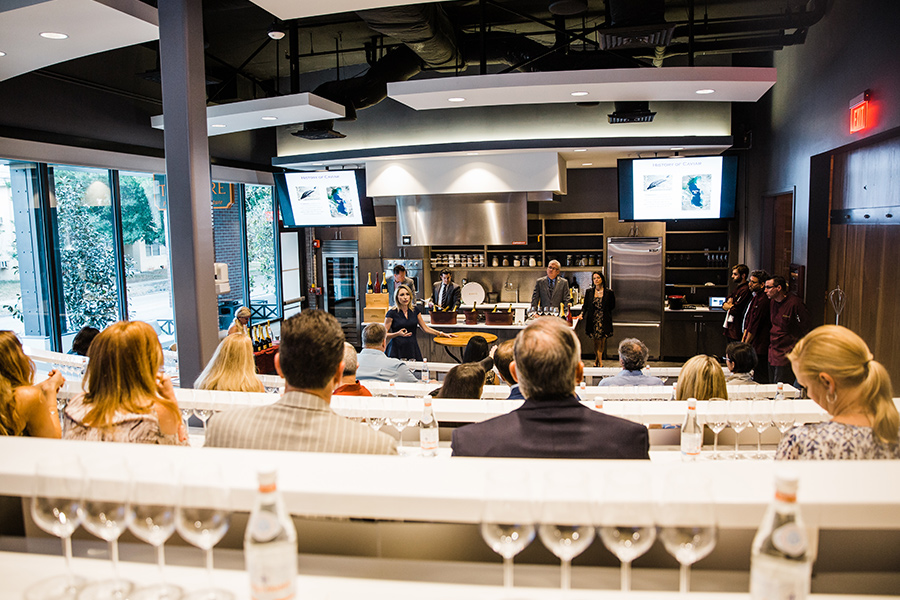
x: 757, y: 324
x: 551, y: 423
x: 790, y: 322
x: 736, y: 304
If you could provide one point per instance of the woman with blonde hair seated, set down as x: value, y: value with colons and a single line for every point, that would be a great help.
x: 231, y: 368
x: 702, y: 378
x: 126, y: 398
x: 839, y: 373
x: 25, y: 408
x: 240, y: 322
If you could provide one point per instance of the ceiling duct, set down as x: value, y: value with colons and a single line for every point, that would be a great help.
x: 424, y: 28
x: 318, y: 130
x: 632, y: 112
x: 635, y: 24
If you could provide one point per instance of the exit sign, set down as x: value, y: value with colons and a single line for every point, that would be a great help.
x: 859, y: 112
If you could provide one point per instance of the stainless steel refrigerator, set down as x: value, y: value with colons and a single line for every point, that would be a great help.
x: 341, y: 265
x: 634, y: 270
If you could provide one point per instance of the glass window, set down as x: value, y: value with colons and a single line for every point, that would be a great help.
x: 84, y: 230
x: 24, y: 296
x: 259, y: 212
x: 145, y: 238
x: 228, y: 240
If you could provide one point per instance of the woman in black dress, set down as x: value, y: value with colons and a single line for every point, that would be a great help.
x: 402, y: 322
x: 599, y: 302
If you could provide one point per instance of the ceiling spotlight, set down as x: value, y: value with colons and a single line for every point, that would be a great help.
x: 706, y: 91
x: 52, y: 35
x: 217, y: 125
x: 2, y: 53
x: 576, y: 94
x: 676, y: 149
x: 587, y: 164
x: 471, y: 154
x: 269, y: 118
x: 580, y: 150
x: 456, y: 99
x: 276, y: 32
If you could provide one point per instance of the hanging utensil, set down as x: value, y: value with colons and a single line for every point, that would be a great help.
x: 837, y: 298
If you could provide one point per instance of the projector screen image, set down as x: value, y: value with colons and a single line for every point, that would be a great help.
x: 677, y: 188
x: 322, y: 198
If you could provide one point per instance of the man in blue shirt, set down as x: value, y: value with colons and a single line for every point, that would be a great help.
x: 633, y: 355
x: 375, y: 364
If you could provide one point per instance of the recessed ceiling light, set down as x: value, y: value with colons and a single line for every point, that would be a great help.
x: 456, y: 99
x: 706, y: 91
x: 217, y: 125
x: 471, y: 154
x: 581, y: 150
x: 269, y: 118
x: 52, y: 35
x: 587, y: 164
x: 579, y: 94
x: 676, y: 149
x: 2, y: 53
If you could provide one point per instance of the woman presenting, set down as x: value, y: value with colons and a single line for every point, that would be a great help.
x: 599, y: 302
x: 402, y: 321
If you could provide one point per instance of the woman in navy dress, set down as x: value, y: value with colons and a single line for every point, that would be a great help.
x: 402, y: 322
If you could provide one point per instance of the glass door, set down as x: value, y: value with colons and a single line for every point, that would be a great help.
x: 341, y: 292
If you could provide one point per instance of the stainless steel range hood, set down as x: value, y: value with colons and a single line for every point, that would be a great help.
x: 466, y: 219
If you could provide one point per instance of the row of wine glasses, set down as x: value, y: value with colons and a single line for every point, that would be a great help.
x: 59, y: 506
x: 760, y: 413
x: 621, y: 514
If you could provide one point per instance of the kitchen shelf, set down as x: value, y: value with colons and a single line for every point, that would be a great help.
x: 698, y: 252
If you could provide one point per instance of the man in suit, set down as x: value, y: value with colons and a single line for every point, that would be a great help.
x: 551, y: 423
x: 446, y: 293
x: 375, y: 364
x: 311, y: 360
x: 550, y: 291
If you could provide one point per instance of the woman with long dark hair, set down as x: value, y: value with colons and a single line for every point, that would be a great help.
x: 599, y: 302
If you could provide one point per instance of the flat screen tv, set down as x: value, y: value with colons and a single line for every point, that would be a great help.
x: 664, y: 189
x: 324, y: 199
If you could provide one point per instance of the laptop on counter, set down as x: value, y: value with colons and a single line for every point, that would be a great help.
x: 716, y: 302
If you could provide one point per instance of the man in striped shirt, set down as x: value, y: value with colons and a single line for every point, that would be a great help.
x: 311, y: 360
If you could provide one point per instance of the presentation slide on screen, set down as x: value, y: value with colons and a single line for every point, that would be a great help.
x: 324, y: 198
x: 677, y: 188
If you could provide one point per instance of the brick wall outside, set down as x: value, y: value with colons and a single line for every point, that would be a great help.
x: 227, y: 236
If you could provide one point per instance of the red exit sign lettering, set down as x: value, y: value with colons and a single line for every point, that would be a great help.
x: 859, y: 112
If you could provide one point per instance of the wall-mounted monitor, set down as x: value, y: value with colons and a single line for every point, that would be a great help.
x: 666, y: 189
x: 324, y: 199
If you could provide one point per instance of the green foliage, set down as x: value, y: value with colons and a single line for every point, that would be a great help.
x: 260, y: 239
x: 138, y: 222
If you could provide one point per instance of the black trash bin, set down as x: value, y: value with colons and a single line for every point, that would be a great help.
x: 227, y: 308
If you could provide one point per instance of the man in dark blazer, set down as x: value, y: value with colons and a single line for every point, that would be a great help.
x: 446, y: 293
x: 552, y: 290
x: 552, y: 423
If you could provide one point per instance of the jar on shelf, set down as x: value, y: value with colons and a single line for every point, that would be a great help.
x: 568, y: 260
x: 495, y: 262
x: 505, y: 260
x: 532, y: 261
x: 517, y: 261
x: 592, y: 261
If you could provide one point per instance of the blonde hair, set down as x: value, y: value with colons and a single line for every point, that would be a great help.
x: 412, y: 296
x: 843, y: 355
x: 16, y: 370
x: 231, y: 368
x: 702, y: 378
x: 121, y: 374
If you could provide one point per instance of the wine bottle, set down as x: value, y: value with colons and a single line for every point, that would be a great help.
x: 255, y: 340
x: 781, y: 564
x: 369, y: 288
x: 428, y: 430
x: 384, y: 289
x: 691, y: 433
x: 270, y: 544
x: 269, y: 335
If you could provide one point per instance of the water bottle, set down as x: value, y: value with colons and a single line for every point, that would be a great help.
x: 428, y: 430
x: 270, y: 544
x: 691, y: 433
x: 781, y: 564
x: 392, y: 389
x: 425, y: 376
x: 779, y: 392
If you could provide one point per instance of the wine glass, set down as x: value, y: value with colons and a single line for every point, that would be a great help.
x: 783, y: 415
x: 687, y: 523
x: 204, y: 413
x: 738, y: 419
x: 625, y: 519
x: 105, y: 514
x: 566, y: 524
x: 399, y: 416
x: 58, y: 491
x: 152, y: 511
x: 761, y: 419
x: 375, y: 413
x: 716, y: 420
x: 508, y: 520
x: 202, y: 517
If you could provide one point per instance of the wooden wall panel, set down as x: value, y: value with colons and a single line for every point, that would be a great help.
x: 865, y: 261
x: 868, y: 177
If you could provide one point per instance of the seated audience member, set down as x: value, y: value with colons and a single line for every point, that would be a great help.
x: 702, y: 378
x: 350, y: 385
x: 503, y: 357
x: 551, y: 423
x: 375, y: 364
x: 25, y: 408
x: 126, y: 398
x: 463, y: 381
x: 477, y: 351
x: 231, y: 368
x: 740, y: 358
x: 633, y: 355
x: 311, y: 360
x: 839, y: 373
x: 241, y: 320
x: 82, y: 340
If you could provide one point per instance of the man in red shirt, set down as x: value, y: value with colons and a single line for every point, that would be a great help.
x: 790, y: 322
x: 350, y: 386
x: 736, y: 304
x: 757, y: 324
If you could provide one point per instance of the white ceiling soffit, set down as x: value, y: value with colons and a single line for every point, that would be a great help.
x: 668, y: 84
x: 91, y: 26
x: 298, y: 9
x: 265, y: 112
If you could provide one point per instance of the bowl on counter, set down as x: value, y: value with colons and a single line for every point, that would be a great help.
x: 471, y: 317
x: 501, y: 317
x: 443, y: 318
x: 675, y: 302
